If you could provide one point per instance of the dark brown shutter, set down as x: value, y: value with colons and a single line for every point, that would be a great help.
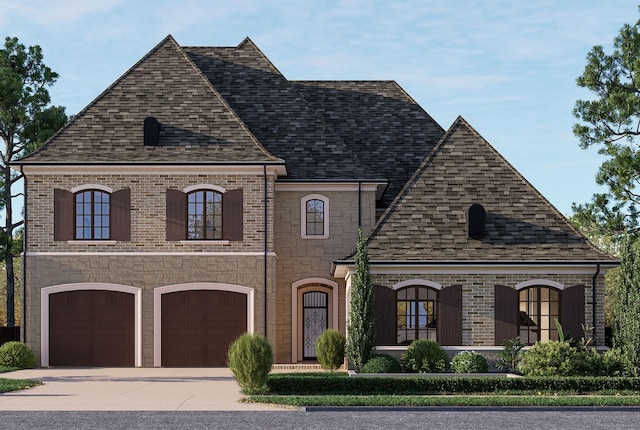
x: 232, y: 215
x: 572, y: 315
x: 506, y: 313
x: 450, y: 315
x: 385, y: 309
x: 176, y: 215
x: 63, y: 215
x: 121, y: 215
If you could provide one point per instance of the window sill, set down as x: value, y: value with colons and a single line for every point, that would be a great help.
x: 92, y: 242
x: 315, y: 237
x: 204, y: 242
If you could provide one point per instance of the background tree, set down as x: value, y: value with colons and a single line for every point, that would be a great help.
x: 626, y: 327
x: 611, y: 121
x: 361, y: 325
x: 26, y: 121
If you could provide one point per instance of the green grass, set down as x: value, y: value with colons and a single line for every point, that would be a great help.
x: 7, y: 385
x: 467, y: 400
x: 5, y: 369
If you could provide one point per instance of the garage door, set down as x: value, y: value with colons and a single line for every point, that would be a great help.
x: 199, y: 325
x: 91, y: 328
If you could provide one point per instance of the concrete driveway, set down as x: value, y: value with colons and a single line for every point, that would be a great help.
x: 128, y: 389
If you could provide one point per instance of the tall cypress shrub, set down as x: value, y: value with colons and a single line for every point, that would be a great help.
x: 361, y: 325
x: 627, y: 306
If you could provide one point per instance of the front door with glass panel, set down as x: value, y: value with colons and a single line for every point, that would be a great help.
x: 315, y: 316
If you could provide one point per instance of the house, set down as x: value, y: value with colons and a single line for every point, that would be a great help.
x: 203, y: 195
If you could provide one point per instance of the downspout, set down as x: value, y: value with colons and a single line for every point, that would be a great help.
x: 24, y: 259
x: 266, y: 249
x: 359, y: 204
x: 593, y: 306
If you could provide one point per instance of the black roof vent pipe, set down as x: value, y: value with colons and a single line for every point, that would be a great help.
x: 476, y: 217
x: 151, y: 131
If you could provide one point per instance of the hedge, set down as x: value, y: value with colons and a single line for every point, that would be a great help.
x: 306, y: 384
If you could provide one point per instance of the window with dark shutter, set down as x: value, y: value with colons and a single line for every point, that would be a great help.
x: 573, y: 315
x: 385, y: 309
x: 417, y: 314
x: 450, y: 315
x: 62, y: 215
x: 121, y: 215
x: 204, y: 215
x: 505, y: 313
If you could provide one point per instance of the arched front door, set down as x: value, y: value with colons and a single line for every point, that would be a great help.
x: 315, y: 320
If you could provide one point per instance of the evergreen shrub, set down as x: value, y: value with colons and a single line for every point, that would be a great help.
x: 469, y: 362
x: 17, y: 354
x: 381, y: 363
x: 329, y: 349
x: 424, y: 356
x: 250, y: 358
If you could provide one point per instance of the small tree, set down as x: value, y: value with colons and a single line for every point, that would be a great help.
x: 627, y: 306
x: 361, y: 326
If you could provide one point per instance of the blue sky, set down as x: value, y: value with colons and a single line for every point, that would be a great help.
x: 508, y: 67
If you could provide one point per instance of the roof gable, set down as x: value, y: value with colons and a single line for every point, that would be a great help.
x: 197, y: 125
x: 427, y: 220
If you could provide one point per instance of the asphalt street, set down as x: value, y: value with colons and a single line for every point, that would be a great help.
x: 296, y: 419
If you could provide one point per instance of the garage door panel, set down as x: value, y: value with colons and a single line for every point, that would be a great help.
x: 199, y: 325
x: 91, y: 328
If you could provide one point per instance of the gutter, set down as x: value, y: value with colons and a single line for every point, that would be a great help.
x: 266, y: 247
x: 24, y: 259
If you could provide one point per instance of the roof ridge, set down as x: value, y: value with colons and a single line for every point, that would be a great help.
x: 84, y: 110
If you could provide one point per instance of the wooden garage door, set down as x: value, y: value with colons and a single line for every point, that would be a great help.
x: 91, y: 328
x: 199, y: 325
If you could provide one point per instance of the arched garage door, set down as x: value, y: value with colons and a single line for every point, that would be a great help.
x: 197, y: 326
x: 92, y: 328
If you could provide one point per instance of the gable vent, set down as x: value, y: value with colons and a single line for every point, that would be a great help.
x: 475, y: 217
x: 151, y: 131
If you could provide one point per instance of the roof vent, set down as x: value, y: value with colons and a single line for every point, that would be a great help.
x: 475, y: 221
x: 151, y: 131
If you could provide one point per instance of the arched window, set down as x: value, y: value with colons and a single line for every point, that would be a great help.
x: 204, y: 215
x: 314, y: 214
x: 416, y: 314
x: 92, y: 215
x: 539, y: 308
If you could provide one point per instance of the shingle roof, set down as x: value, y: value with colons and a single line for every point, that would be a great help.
x: 426, y: 222
x: 197, y: 123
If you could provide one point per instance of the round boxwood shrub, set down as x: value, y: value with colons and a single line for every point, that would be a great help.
x: 250, y: 358
x: 330, y: 349
x: 469, y: 362
x: 381, y: 363
x: 553, y: 358
x: 424, y: 356
x: 17, y: 354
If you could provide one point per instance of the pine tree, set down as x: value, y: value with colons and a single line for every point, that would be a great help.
x: 627, y: 306
x: 361, y: 326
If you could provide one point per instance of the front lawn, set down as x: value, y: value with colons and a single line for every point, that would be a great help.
x: 7, y: 385
x: 323, y: 389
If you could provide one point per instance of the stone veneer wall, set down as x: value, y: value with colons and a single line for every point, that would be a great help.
x: 478, y: 297
x: 300, y: 258
x: 147, y: 272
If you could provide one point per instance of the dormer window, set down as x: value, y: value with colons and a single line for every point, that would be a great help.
x: 314, y: 217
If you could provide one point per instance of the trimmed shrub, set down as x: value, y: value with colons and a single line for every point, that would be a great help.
x: 613, y: 362
x: 330, y: 349
x: 17, y: 354
x: 424, y: 356
x: 381, y: 363
x: 250, y: 358
x: 553, y: 358
x: 469, y: 362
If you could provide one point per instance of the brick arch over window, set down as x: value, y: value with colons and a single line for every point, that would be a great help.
x: 507, y: 308
x: 64, y: 212
x: 449, y: 311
